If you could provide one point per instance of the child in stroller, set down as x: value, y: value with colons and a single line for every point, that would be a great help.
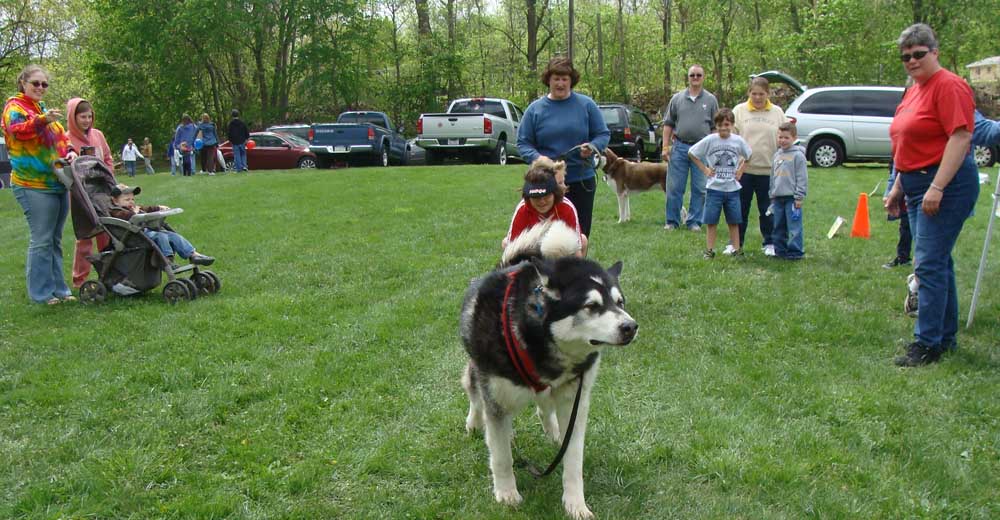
x: 123, y: 207
x: 133, y: 262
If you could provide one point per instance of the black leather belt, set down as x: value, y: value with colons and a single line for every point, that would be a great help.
x: 691, y: 143
x: 921, y: 172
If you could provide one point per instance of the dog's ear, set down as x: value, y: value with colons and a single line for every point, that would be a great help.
x: 616, y: 269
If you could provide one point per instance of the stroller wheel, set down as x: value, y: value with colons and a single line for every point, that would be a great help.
x: 217, y: 283
x: 205, y: 283
x: 175, y: 291
x: 192, y: 287
x: 93, y: 292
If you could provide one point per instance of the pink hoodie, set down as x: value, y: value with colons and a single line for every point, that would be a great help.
x: 93, y: 137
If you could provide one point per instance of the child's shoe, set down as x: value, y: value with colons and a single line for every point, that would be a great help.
x: 709, y: 254
x: 200, y: 259
x: 729, y: 250
x: 896, y: 262
x: 737, y: 253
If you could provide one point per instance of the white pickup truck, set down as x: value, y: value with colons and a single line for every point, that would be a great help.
x: 472, y: 129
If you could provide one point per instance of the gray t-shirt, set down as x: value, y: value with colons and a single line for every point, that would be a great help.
x: 723, y: 156
x: 691, y: 119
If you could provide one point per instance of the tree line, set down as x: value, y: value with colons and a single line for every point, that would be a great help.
x: 143, y: 64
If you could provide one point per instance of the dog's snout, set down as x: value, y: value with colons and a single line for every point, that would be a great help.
x: 628, y: 330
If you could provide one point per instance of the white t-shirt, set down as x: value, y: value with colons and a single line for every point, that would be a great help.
x: 723, y: 156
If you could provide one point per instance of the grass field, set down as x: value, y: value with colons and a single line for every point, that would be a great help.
x: 322, y: 381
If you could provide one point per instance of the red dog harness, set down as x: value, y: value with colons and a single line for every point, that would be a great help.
x: 518, y: 354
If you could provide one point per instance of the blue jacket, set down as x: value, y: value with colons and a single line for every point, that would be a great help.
x: 987, y: 132
x: 208, y: 135
x: 185, y: 133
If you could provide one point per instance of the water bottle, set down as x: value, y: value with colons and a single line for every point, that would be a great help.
x: 796, y: 214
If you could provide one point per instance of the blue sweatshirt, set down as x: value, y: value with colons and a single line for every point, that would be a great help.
x: 987, y: 132
x: 550, y: 128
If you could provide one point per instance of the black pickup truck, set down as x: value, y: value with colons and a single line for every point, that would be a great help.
x: 358, y: 138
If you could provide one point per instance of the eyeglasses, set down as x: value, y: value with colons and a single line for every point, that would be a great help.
x: 916, y: 55
x: 36, y: 84
x: 695, y: 75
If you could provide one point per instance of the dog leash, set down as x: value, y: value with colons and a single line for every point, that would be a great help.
x: 565, y: 444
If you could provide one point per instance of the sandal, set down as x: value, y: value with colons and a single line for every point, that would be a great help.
x: 53, y: 301
x: 69, y: 298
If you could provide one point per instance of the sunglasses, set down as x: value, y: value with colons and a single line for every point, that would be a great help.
x: 36, y: 84
x: 916, y: 55
x: 695, y: 75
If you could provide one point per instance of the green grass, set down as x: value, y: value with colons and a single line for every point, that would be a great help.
x: 322, y: 382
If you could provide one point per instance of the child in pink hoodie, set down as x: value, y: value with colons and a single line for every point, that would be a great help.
x: 82, y: 134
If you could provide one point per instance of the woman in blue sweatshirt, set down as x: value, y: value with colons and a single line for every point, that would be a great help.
x: 558, y: 121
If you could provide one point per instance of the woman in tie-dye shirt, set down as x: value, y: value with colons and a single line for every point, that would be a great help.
x: 35, y: 139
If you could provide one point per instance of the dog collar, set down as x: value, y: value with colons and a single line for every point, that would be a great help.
x: 518, y: 354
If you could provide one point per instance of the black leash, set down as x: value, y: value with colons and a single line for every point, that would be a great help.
x: 565, y: 444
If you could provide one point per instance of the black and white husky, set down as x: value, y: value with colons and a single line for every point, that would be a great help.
x: 534, y: 331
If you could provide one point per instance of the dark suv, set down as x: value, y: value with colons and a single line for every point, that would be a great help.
x: 632, y: 133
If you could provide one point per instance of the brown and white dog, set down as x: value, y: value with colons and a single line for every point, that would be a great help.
x: 630, y: 177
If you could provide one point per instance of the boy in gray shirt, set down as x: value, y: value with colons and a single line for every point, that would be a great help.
x: 722, y: 157
x: 789, y: 181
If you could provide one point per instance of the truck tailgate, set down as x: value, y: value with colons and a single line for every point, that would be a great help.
x: 452, y: 125
x: 339, y: 134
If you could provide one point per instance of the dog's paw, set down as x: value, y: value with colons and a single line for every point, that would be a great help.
x: 508, y: 497
x: 473, y: 423
x: 577, y: 509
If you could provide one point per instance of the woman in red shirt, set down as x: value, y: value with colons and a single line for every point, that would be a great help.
x: 542, y: 200
x: 931, y: 135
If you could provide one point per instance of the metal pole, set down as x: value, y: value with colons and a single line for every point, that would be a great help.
x: 986, y: 249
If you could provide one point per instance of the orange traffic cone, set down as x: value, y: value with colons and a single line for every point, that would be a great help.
x: 861, y: 227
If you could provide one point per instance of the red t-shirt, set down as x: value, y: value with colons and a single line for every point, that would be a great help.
x: 926, y: 118
x: 525, y: 216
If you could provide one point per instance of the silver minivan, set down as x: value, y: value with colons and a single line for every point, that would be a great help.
x: 838, y: 124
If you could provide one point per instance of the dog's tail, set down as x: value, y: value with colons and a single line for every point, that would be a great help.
x: 552, y: 239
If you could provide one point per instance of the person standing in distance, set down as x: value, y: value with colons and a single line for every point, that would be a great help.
x: 688, y: 118
x: 238, y: 134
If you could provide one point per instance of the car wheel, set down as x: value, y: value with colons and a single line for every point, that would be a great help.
x: 500, y: 153
x: 307, y: 162
x: 638, y: 151
x: 826, y: 153
x: 985, y: 156
x: 230, y: 165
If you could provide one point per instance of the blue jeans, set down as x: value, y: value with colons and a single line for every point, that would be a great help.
x: 934, y: 238
x: 240, y: 157
x: 46, y: 213
x: 717, y: 202
x: 173, y: 165
x: 170, y: 243
x: 677, y: 176
x: 787, y: 234
x: 130, y: 168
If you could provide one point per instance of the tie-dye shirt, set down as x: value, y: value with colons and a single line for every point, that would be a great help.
x: 32, y: 145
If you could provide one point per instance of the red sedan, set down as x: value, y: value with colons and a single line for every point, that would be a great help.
x: 273, y: 151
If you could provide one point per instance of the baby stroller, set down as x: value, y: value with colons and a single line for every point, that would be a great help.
x: 131, y: 263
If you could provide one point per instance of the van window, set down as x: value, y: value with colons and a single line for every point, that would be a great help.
x: 877, y: 103
x: 830, y: 102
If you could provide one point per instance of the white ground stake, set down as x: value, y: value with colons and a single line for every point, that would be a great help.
x: 986, y: 249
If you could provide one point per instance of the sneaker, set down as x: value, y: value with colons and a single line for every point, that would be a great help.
x: 709, y: 254
x: 200, y: 259
x: 738, y: 253
x: 911, y: 303
x: 694, y: 227
x: 896, y: 262
x: 769, y: 250
x: 729, y: 250
x: 670, y: 227
x: 918, y: 354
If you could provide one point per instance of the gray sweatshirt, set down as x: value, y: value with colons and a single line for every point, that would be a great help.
x: 788, y: 173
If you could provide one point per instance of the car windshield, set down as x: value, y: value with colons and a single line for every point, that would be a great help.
x: 478, y: 106
x: 296, y: 140
x: 612, y: 115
